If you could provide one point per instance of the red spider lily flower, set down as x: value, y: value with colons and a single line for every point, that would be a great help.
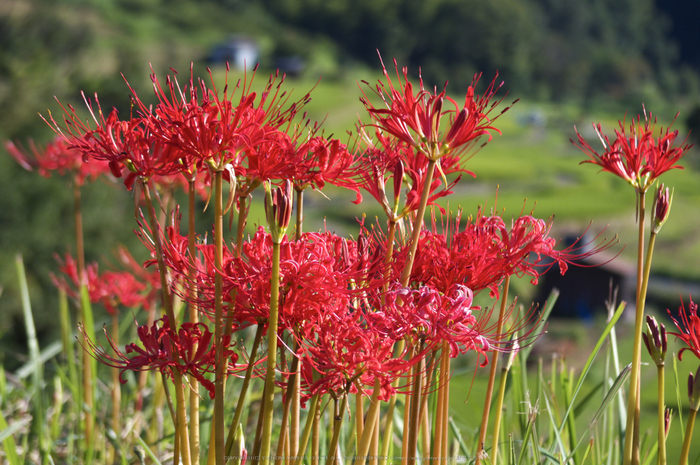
x: 376, y: 165
x: 320, y: 274
x: 110, y: 289
x: 428, y: 316
x: 58, y: 157
x: 391, y: 158
x: 415, y: 118
x: 638, y: 156
x: 123, y: 144
x: 330, y: 161
x: 486, y: 251
x: 689, y: 327
x: 347, y: 357
x: 190, y: 351
x: 209, y: 127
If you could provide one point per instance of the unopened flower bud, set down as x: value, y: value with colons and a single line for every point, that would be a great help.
x: 514, y: 349
x: 655, y: 340
x: 399, y: 171
x: 694, y: 391
x: 278, y: 209
x: 662, y: 205
x: 668, y: 417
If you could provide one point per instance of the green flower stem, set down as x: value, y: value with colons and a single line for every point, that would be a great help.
x: 389, y: 415
x: 296, y: 387
x: 338, y: 416
x: 89, y: 375
x: 492, y: 375
x: 390, y: 235
x: 180, y: 410
x: 269, y: 395
x: 300, y: 213
x: 418, y: 224
x: 116, y: 385
x: 194, y: 318
x: 242, y: 220
x: 424, y: 420
x: 79, y: 241
x: 387, y: 435
x: 286, y: 437
x: 414, y: 424
x: 643, y: 269
x: 182, y: 429
x: 307, y: 429
x: 688, y: 437
x: 232, y: 432
x: 405, y: 280
x: 219, y: 389
x: 441, y: 412
x: 369, y: 427
x: 662, y: 419
x: 359, y: 415
x: 315, y: 436
x: 498, y: 413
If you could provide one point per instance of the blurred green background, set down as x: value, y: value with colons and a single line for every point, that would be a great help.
x: 570, y: 63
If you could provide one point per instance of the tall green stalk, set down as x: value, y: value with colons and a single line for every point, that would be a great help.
x: 499, y: 405
x: 89, y: 375
x: 269, y: 394
x: 219, y: 439
x: 662, y: 416
x: 492, y: 375
x: 688, y: 437
x: 180, y: 410
x: 232, y: 433
x: 633, y: 401
x: 193, y: 318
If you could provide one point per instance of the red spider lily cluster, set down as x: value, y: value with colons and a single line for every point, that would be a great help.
x: 638, y: 155
x: 57, y: 157
x: 112, y: 289
x: 357, y: 316
x: 189, y: 350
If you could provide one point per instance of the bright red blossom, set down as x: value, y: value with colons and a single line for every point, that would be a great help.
x: 190, y: 351
x: 636, y: 155
x: 689, y: 327
x: 111, y: 289
x: 57, y: 156
x: 415, y: 116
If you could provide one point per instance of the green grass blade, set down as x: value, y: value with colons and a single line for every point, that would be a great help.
x: 549, y: 456
x: 37, y: 367
x: 549, y: 305
x: 458, y: 434
x: 45, y: 355
x: 679, y: 399
x: 583, y: 403
x: 607, y: 400
x: 589, y: 362
x: 557, y: 434
x: 8, y: 442
x: 148, y: 451
x: 612, y: 393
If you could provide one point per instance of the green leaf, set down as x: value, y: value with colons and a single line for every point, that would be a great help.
x: 8, y: 441
x: 589, y: 362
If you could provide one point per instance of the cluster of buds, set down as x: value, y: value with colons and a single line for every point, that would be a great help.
x: 694, y: 390
x: 655, y: 340
x: 662, y: 206
x: 278, y: 209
